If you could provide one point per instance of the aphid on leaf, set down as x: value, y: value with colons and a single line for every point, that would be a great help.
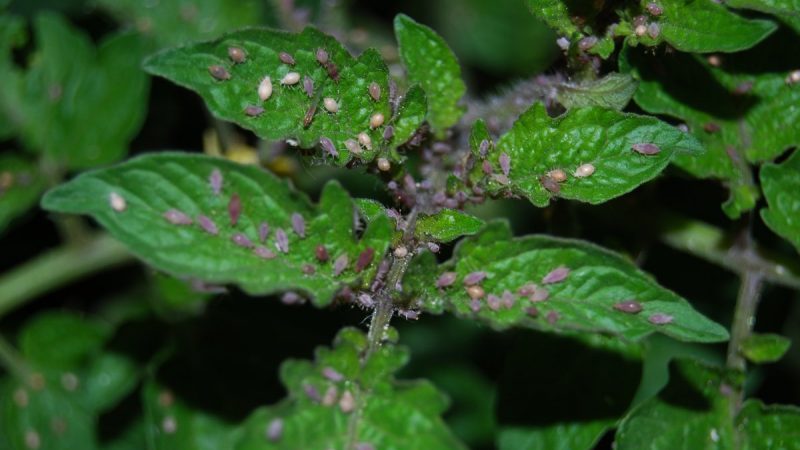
x: 408, y: 314
x: 330, y: 105
x: 340, y: 264
x: 483, y: 148
x: 374, y: 91
x: 475, y: 292
x: 293, y: 298
x: 290, y: 78
x: 388, y: 133
x: 237, y: 55
x: 584, y: 170
x: 331, y: 374
x: 352, y: 146
x: 274, y: 430
x: 505, y: 163
x: 215, y: 181
x: 265, y: 89
x: 309, y: 116
x: 400, y: 252
x: 322, y: 56
x: 364, y: 259
x: 527, y: 289
x: 207, y: 225
x: 347, y: 403
x: 654, y: 30
x: 376, y: 120
x: 117, y: 202
x: 654, y: 9
x: 365, y: 140
x: 308, y: 269
x: 532, y: 311
x: 793, y: 77
x: 264, y: 253
x: 502, y: 179
x: 446, y: 279
x: 640, y: 30
x: 333, y: 72
x: 493, y: 301
x: 563, y: 43
x: 219, y: 72
x: 281, y: 241
x: 263, y: 231
x: 557, y: 175
x: 550, y: 184
x: 508, y: 299
x: 486, y: 167
x: 234, y: 209
x: 176, y: 217
x: 474, y: 278
x: 286, y: 58
x: 169, y: 425
x: 475, y: 305
x: 587, y: 43
x: 311, y: 392
x: 330, y: 397
x: 629, y: 306
x: 384, y: 165
x: 556, y: 275
x: 321, y: 253
x: 660, y: 319
x: 552, y: 317
x: 241, y: 240
x: 298, y: 225
x: 646, y: 149
x: 308, y: 86
x: 328, y: 147
x: 253, y: 110
x: 540, y: 294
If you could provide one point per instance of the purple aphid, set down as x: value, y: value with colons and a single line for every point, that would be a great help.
x: 328, y: 147
x: 264, y: 253
x: 340, y: 264
x: 330, y: 397
x: 486, y: 167
x: 540, y: 294
x: 234, y: 209
x: 493, y: 301
x: 364, y: 259
x: 660, y: 319
x: 646, y: 149
x: 508, y: 299
x: 433, y: 247
x: 474, y: 278
x: 374, y: 91
x: 308, y: 86
x: 500, y: 178
x: 215, y: 181
x: 629, y: 306
x: 308, y: 269
x: 263, y: 232
x: 298, y: 225
x: 292, y: 298
x: 275, y: 430
x: 408, y: 314
x: 388, y: 133
x: 505, y: 163
x: 253, y: 110
x: 550, y: 184
x: 552, y: 317
x: 527, y: 289
x: 207, y: 225
x: 483, y: 148
x: 311, y: 392
x: 219, y: 72
x: 446, y: 279
x: 475, y: 305
x: 333, y: 71
x: 286, y: 58
x: 281, y: 241
x: 241, y: 240
x: 176, y: 217
x: 321, y: 253
x: 322, y: 56
x: 654, y: 30
x: 532, y: 311
x: 587, y: 43
x: 366, y: 300
x: 331, y: 374
x: 556, y: 275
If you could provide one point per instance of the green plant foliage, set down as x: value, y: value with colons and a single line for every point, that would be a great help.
x: 20, y: 188
x: 585, y: 300
x: 71, y: 85
x: 288, y: 106
x: 764, y: 348
x: 152, y: 185
x: 786, y: 10
x: 780, y: 183
x: 430, y: 63
x: 538, y: 144
x: 554, y: 13
x: 447, y: 225
x: 613, y: 91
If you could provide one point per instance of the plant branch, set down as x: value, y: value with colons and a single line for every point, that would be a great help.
x: 58, y: 267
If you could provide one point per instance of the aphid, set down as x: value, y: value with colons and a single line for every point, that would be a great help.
x: 401, y: 252
x: 298, y: 225
x: 475, y: 292
x: 340, y: 264
x: 483, y: 148
x: 234, y: 209
x: 366, y: 300
x: 207, y: 225
x: 281, y: 241
x: 253, y: 110
x: 364, y: 259
x: 321, y: 253
x: 474, y: 278
x: 640, y: 30
x: 263, y: 231
x: 493, y: 301
x: 654, y: 9
x: 374, y: 91
x: 639, y: 20
x: 646, y: 149
x: 584, y: 170
x: 408, y: 314
x: 308, y: 269
x: 237, y: 55
x: 328, y: 147
x: 376, y: 120
x: 215, y: 181
x: 286, y: 58
x: 743, y: 88
x: 587, y: 43
x: 527, y: 289
x: 654, y: 30
x: 365, y: 140
x: 563, y: 43
x: 322, y: 56
x: 384, y: 165
x: 352, y: 146
x: 21, y: 397
x: 505, y: 163
x: 532, y: 311
x: 508, y: 298
x: 275, y: 429
x: 793, y: 77
x: 629, y: 306
x: 169, y: 425
x: 550, y: 184
x: 331, y: 374
x: 333, y: 72
x: 660, y: 319
x: 176, y: 217
x: 556, y: 275
x: 330, y: 396
x: 558, y: 175
x: 293, y: 298
x: 446, y: 279
x: 32, y: 439
x: 711, y: 127
x: 264, y: 253
x: 388, y: 133
x: 552, y: 317
x: 502, y: 179
x: 540, y: 294
x: 219, y: 72
x: 714, y: 60
x: 347, y: 403
x: 486, y: 167
x: 265, y: 89
x: 290, y: 78
x: 308, y: 86
x: 311, y: 392
x: 241, y: 240
x: 330, y: 105
x: 117, y: 203
x: 309, y: 116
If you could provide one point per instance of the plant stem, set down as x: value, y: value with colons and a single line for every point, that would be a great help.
x: 744, y: 317
x: 58, y: 267
x: 382, y: 314
x: 12, y: 361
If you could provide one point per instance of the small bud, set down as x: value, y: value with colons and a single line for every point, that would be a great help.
x: 265, y: 89
x: 375, y: 91
x: 629, y: 306
x: 322, y: 56
x: 384, y: 165
x: 584, y: 170
x: 646, y: 149
x: 330, y: 105
x: 237, y: 55
x: 376, y: 120
x: 556, y: 275
x: 286, y: 58
x: 117, y: 203
x: 290, y: 78
x: 365, y: 140
x: 219, y: 72
x: 557, y: 175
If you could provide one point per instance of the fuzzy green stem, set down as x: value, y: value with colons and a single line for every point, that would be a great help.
x: 382, y: 314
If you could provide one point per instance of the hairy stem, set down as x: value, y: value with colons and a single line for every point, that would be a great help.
x: 744, y: 317
x: 58, y: 267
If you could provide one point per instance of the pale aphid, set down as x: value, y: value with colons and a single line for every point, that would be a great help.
x: 557, y: 175
x: 556, y: 275
x: 505, y: 163
x: 176, y: 217
x: 365, y: 140
x: 364, y: 259
x: 408, y: 314
x: 629, y: 306
x: 298, y: 225
x: 347, y: 403
x: 117, y: 202
x: 646, y: 149
x: 475, y: 305
x: 253, y: 110
x: 264, y: 253
x: 215, y: 181
x: 563, y: 43
x: 374, y: 91
x: 308, y: 86
x: 237, y: 55
x: 281, y: 241
x: 493, y: 301
x: 474, y: 278
x: 234, y: 209
x: 446, y: 279
x: 293, y: 298
x: 433, y: 247
x: 274, y: 430
x: 654, y: 30
x: 330, y: 105
x: 328, y: 147
x: 332, y: 374
x: 552, y: 317
x: 550, y: 184
x: 340, y: 264
x: 322, y: 56
x: 640, y: 30
x: 527, y: 289
x: 587, y: 43
x: 376, y: 120
x: 584, y: 170
x: 330, y: 397
x: 384, y: 165
x: 265, y: 89
x: 654, y: 9
x: 793, y: 77
x: 263, y: 231
x: 219, y: 72
x: 401, y: 252
x: 508, y: 299
x: 207, y: 225
x: 352, y: 146
x: 290, y: 78
x: 311, y: 391
x: 475, y: 292
x: 540, y: 294
x: 660, y: 319
x: 169, y: 425
x: 241, y: 240
x: 286, y: 58
x: 308, y: 269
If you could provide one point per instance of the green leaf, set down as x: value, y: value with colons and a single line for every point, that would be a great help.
x: 780, y: 183
x: 764, y: 348
x: 108, y: 378
x: 59, y: 340
x: 554, y: 13
x: 78, y: 105
x: 174, y: 23
x: 410, y: 116
x: 151, y: 185
x: 286, y: 109
x: 538, y: 144
x: 787, y: 10
x: 12, y: 35
x: 613, y: 91
x: 585, y: 301
x: 430, y: 63
x: 770, y: 427
x: 446, y: 225
x: 20, y: 188
x: 385, y: 413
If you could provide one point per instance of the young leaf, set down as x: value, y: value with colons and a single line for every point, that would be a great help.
x: 287, y: 111
x: 613, y: 91
x: 521, y: 288
x: 604, y: 139
x: 765, y: 348
x: 336, y: 402
x: 781, y: 185
x: 20, y: 188
x: 786, y: 10
x: 164, y: 196
x: 60, y: 340
x: 446, y: 225
x: 410, y: 116
x: 773, y: 427
x: 555, y: 14
x: 430, y: 63
x: 72, y: 86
